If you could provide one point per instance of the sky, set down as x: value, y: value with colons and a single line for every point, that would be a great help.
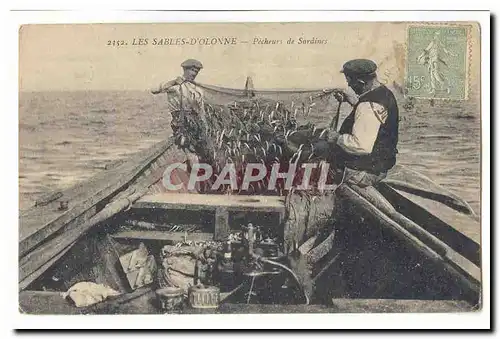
x: 77, y: 57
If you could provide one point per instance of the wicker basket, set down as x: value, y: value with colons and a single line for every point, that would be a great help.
x: 170, y: 299
x: 204, y: 297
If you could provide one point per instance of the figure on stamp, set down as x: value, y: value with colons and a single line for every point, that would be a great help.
x: 432, y: 57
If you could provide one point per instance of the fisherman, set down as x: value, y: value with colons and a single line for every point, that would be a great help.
x: 365, y: 147
x: 185, y: 100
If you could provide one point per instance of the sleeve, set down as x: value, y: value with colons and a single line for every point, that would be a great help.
x: 167, y: 86
x: 367, y: 120
x: 173, y: 98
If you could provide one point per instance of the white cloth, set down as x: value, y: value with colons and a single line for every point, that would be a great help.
x: 367, y: 120
x: 87, y: 293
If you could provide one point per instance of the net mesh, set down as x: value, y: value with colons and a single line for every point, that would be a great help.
x: 270, y: 127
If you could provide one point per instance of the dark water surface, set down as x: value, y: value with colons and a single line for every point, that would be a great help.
x: 66, y: 137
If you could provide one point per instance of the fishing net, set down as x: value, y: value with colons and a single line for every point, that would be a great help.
x: 279, y: 129
x: 270, y: 127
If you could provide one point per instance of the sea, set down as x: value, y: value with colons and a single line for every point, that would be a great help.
x: 67, y: 137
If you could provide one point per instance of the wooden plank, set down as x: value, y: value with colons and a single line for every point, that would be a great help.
x: 378, y: 201
x: 49, y: 252
x: 33, y: 264
x: 319, y: 252
x: 38, y: 223
x: 112, y: 275
x: 466, y: 277
x: 325, y: 268
x: 222, y: 228
x: 468, y: 226
x: 26, y: 278
x: 254, y: 203
x: 45, y: 302
x: 399, y: 306
x: 459, y: 231
x: 173, y: 237
x: 142, y: 301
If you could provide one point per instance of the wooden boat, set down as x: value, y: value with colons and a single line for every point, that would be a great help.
x: 428, y: 235
x: 398, y: 250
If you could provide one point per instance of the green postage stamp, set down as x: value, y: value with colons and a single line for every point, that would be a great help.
x: 437, y: 62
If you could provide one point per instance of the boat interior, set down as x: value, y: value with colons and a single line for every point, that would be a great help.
x: 369, y: 268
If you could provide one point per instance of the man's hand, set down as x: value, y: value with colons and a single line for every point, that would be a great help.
x: 340, y: 95
x: 333, y: 136
x: 326, y: 146
x: 343, y: 96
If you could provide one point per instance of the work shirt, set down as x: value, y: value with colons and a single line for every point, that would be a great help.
x: 367, y: 120
x: 187, y: 96
x: 369, y: 134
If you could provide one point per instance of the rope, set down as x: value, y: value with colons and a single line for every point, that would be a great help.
x: 341, y: 181
x: 250, y: 291
x: 291, y: 272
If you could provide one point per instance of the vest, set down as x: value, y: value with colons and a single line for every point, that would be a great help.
x: 383, y: 156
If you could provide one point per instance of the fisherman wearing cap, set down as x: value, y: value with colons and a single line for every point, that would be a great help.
x: 366, y: 144
x: 184, y: 92
x: 185, y: 100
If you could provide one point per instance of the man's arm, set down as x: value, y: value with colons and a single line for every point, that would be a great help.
x: 165, y: 86
x: 429, y: 46
x: 367, y: 120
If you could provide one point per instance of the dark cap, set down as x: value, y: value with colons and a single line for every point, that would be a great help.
x: 359, y: 67
x: 192, y: 63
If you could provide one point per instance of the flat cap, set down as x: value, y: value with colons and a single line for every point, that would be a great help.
x: 359, y: 67
x: 192, y: 63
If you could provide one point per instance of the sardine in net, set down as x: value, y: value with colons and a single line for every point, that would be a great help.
x: 270, y: 127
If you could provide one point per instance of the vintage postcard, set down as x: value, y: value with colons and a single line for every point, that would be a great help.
x: 305, y: 167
